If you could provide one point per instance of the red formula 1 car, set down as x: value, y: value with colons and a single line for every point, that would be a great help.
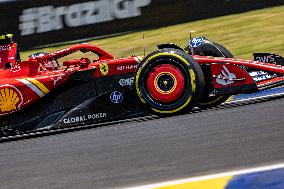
x: 45, y: 92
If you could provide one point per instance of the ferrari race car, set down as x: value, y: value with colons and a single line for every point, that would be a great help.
x: 44, y: 93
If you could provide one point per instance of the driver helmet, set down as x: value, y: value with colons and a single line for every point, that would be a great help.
x: 6, y: 39
x: 50, y: 63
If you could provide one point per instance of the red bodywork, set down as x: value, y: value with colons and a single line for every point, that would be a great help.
x: 217, y: 66
x: 25, y: 82
x: 28, y: 81
x: 8, y: 53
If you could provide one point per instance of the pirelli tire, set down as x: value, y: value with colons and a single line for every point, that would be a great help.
x: 212, y: 101
x: 169, y: 81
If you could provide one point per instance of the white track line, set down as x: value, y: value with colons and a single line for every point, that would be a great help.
x: 213, y: 176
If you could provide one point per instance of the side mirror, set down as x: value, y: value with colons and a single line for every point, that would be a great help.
x: 69, y: 63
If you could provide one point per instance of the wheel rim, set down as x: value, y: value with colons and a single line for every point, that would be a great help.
x: 165, y: 83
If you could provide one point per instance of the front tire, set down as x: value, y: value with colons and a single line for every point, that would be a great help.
x: 169, y: 81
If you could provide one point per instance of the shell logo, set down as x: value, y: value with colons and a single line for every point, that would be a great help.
x: 11, y: 99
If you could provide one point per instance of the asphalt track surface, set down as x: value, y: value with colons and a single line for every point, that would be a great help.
x: 146, y: 152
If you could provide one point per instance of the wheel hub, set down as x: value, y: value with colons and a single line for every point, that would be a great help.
x: 166, y: 83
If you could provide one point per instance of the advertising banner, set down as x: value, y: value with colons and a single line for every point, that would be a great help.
x: 41, y: 22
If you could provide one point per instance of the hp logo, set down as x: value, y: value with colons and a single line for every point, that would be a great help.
x: 116, y: 97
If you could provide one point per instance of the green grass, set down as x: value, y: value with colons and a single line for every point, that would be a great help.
x: 242, y: 34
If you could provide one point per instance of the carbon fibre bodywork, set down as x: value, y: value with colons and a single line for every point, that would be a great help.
x: 76, y: 103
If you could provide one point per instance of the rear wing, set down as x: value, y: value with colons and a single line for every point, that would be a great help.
x: 9, y: 54
x: 269, y: 58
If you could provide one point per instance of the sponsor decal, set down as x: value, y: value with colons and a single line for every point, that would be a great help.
x: 15, y: 67
x: 126, y: 82
x: 62, y: 51
x: 36, y: 86
x: 104, y: 68
x: 128, y: 67
x: 50, y: 18
x: 56, y: 80
x: 116, y: 97
x: 260, y: 75
x: 226, y: 77
x: 84, y: 118
x: 11, y: 99
x: 268, y: 59
x: 196, y: 42
x: 5, y: 48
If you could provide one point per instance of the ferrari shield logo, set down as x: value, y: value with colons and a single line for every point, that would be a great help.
x: 104, y: 68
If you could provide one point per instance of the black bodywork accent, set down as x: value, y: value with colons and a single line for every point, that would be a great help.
x: 101, y: 108
x: 170, y: 46
x: 269, y: 58
x: 271, y: 85
x: 80, y: 101
x: 244, y: 89
x: 84, y: 75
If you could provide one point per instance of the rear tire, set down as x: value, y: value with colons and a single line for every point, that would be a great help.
x: 169, y: 81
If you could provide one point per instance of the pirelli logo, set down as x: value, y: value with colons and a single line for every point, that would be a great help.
x: 35, y: 86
